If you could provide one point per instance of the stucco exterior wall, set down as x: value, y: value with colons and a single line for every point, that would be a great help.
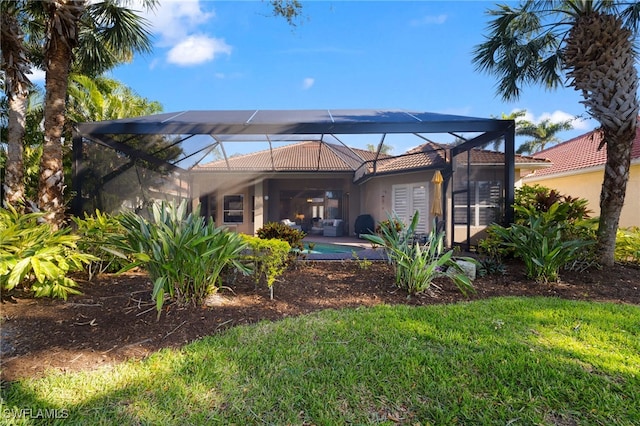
x: 588, y: 184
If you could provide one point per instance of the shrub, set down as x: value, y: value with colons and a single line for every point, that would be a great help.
x: 541, y: 243
x: 268, y: 257
x: 283, y: 232
x: 183, y: 253
x: 552, y: 208
x: 541, y: 198
x: 417, y: 265
x: 35, y: 255
x: 101, y: 234
x: 628, y: 245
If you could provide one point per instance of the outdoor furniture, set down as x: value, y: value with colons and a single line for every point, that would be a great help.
x: 291, y: 224
x: 333, y: 227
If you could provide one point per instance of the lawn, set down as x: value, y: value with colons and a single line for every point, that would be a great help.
x: 506, y: 360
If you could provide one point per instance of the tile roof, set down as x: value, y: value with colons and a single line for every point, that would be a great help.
x: 328, y: 157
x: 303, y: 156
x: 579, y: 153
x: 478, y: 156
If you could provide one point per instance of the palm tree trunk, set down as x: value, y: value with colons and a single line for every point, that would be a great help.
x: 62, y: 37
x: 14, y: 178
x: 600, y: 55
x: 15, y: 65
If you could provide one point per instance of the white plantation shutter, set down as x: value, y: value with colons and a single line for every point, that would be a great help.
x: 401, y: 201
x: 407, y: 199
x: 420, y: 204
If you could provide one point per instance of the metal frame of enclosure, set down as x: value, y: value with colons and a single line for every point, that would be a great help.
x: 191, y: 137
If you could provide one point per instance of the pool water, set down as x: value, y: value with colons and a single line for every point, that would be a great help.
x: 323, y: 248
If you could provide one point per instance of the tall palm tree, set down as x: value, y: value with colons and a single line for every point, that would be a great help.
x: 543, y: 134
x: 16, y: 66
x: 120, y: 31
x: 590, y: 45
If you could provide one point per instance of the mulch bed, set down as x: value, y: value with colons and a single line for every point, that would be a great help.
x: 115, y: 320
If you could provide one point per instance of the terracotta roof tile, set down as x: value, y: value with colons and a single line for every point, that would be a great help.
x: 303, y: 156
x: 580, y: 153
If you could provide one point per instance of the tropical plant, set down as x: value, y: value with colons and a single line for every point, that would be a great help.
x: 268, y: 257
x: 542, y: 242
x: 628, y: 245
x: 38, y: 257
x: 416, y: 265
x: 590, y: 45
x: 543, y: 133
x: 541, y: 198
x: 100, y: 235
x: 184, y: 254
x: 282, y: 232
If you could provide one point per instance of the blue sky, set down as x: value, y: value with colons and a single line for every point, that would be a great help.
x: 342, y: 54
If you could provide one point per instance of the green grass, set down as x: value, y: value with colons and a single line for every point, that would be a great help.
x: 517, y: 361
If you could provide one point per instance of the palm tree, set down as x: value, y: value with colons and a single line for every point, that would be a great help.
x: 101, y: 98
x: 120, y: 31
x: 16, y: 86
x: 543, y: 134
x: 590, y: 45
x: 517, y: 116
x: 384, y: 148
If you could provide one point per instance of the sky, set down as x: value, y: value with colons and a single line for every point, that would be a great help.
x: 412, y: 56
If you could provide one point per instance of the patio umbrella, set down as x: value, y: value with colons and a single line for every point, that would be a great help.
x: 436, y: 205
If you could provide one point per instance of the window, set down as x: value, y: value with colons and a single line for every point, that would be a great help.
x: 233, y: 209
x: 411, y: 198
x: 484, y: 204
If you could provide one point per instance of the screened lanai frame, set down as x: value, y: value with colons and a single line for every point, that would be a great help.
x: 272, y: 126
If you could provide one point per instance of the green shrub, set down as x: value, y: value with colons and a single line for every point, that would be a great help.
x: 552, y: 208
x: 36, y: 256
x: 268, y: 257
x: 417, y: 265
x: 541, y: 243
x: 183, y: 253
x: 541, y: 198
x: 282, y: 232
x: 628, y: 245
x: 101, y: 234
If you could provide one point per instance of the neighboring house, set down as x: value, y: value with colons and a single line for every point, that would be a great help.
x: 306, y: 181
x: 578, y: 171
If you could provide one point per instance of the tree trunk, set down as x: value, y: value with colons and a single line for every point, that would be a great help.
x: 14, y: 178
x: 616, y: 176
x: 601, y: 59
x: 62, y: 33
x: 15, y: 65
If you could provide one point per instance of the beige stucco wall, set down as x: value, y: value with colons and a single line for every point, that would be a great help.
x: 588, y: 185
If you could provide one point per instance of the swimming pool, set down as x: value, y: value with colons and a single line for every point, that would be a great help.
x: 324, y: 248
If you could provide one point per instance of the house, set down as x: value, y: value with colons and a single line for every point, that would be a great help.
x: 578, y: 170
x: 304, y: 172
x: 312, y: 180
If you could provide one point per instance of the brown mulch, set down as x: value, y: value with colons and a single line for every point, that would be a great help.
x: 114, y: 319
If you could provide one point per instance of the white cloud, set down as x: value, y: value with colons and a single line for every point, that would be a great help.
x: 197, y: 49
x: 429, y: 20
x: 308, y: 82
x: 180, y: 27
x: 173, y: 21
x: 557, y: 116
